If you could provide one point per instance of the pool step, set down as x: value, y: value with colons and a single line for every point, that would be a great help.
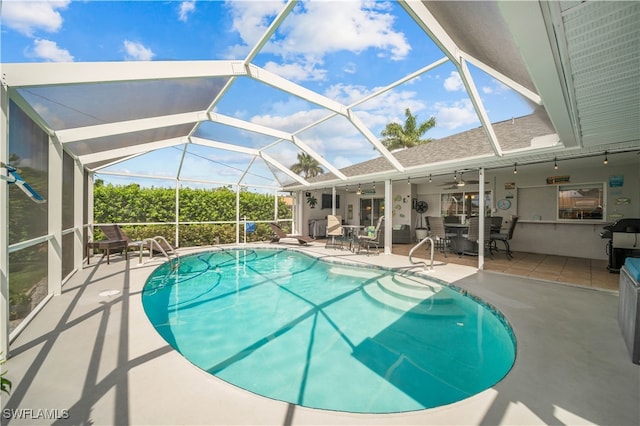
x: 354, y: 272
x: 412, y: 289
x: 432, y: 306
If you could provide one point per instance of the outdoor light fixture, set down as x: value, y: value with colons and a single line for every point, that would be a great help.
x: 461, y: 183
x: 408, y: 181
x: 374, y: 186
x: 429, y: 178
x: 346, y: 188
x: 455, y: 175
x: 359, y: 191
x: 555, y: 163
x: 606, y: 158
x: 515, y: 168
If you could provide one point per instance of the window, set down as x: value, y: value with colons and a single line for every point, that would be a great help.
x: 465, y: 204
x: 581, y: 202
x: 326, y: 201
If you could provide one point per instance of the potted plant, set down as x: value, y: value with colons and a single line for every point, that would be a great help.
x: 5, y: 384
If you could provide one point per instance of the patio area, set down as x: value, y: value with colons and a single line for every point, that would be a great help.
x: 570, y: 270
x: 92, y: 355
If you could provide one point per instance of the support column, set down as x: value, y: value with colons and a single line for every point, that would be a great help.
x: 78, y: 208
x: 177, y: 213
x: 54, y: 208
x: 482, y: 218
x: 237, y: 214
x: 388, y: 217
x: 4, y: 227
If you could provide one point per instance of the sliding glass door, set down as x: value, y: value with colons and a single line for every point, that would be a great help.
x: 370, y: 211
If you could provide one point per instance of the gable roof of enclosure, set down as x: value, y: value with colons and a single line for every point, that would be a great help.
x: 577, y: 64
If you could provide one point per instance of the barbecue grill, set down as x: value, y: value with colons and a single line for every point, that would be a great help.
x: 624, y: 241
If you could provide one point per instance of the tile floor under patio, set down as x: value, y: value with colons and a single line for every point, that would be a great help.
x: 570, y: 270
x: 94, y: 353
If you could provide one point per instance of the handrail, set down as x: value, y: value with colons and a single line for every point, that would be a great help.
x: 151, y: 241
x: 414, y: 249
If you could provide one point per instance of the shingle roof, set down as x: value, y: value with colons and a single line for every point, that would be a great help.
x: 513, y: 134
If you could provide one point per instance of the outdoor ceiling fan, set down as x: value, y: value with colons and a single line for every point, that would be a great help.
x: 457, y: 183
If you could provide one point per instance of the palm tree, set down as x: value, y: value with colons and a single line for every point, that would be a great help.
x: 307, y: 165
x: 396, y: 136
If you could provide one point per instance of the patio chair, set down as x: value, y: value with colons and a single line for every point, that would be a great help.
x: 279, y: 234
x: 496, y: 224
x: 155, y: 245
x: 441, y: 238
x: 473, y: 244
x: 335, y: 232
x: 115, y: 233
x: 505, y: 238
x: 371, y: 238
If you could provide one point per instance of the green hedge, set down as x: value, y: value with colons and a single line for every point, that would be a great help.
x: 133, y: 204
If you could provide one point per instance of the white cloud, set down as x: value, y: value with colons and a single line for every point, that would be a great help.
x: 49, y: 51
x: 27, y: 17
x: 250, y: 21
x: 326, y: 27
x: 137, y: 51
x: 186, y: 9
x: 487, y: 90
x: 453, y: 83
x: 316, y: 29
x: 458, y: 114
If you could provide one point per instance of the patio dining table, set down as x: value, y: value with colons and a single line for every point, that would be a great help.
x: 351, y: 232
x: 459, y: 242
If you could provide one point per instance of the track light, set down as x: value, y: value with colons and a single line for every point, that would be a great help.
x: 555, y: 163
x: 606, y: 158
x: 515, y: 168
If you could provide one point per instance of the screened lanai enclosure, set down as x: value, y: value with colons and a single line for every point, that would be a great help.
x: 287, y: 81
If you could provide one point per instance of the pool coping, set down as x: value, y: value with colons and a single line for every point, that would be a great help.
x: 102, y: 359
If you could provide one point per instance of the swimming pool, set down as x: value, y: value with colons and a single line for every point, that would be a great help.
x: 295, y: 328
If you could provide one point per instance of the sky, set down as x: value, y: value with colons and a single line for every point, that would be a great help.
x: 345, y: 50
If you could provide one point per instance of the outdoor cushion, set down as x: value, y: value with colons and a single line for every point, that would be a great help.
x: 633, y: 267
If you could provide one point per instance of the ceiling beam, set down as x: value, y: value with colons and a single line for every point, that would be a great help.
x: 56, y: 73
x: 474, y: 96
x: 109, y: 129
x: 269, y: 159
x: 278, y: 82
x: 374, y: 141
x: 271, y: 30
x: 130, y: 150
x: 224, y: 146
x: 319, y: 158
x: 247, y: 125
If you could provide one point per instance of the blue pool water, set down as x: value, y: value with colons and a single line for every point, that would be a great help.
x: 298, y: 329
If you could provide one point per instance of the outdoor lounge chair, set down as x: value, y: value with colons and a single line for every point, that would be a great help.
x: 280, y: 234
x: 115, y: 233
x: 335, y: 232
x: 158, y: 245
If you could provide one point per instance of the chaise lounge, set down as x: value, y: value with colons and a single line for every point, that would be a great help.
x: 280, y: 234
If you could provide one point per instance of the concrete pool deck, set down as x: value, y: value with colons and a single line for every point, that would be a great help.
x: 93, y: 356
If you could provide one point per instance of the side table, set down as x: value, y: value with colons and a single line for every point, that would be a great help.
x: 107, y: 246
